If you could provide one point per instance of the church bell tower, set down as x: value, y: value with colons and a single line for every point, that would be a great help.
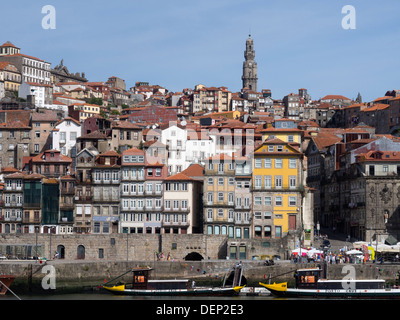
x: 249, y: 77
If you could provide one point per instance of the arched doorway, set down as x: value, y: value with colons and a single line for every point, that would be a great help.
x: 81, y: 252
x: 194, y: 256
x: 61, y: 252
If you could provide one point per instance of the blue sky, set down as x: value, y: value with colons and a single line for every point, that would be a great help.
x: 179, y: 44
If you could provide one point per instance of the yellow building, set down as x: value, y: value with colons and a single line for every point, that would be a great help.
x: 10, y: 75
x: 292, y: 135
x: 82, y: 111
x: 219, y: 195
x: 277, y: 189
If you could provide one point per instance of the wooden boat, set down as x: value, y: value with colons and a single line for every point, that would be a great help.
x: 5, y: 283
x: 144, y: 286
x: 310, y: 285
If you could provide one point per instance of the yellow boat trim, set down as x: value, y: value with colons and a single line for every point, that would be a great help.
x: 115, y: 288
x: 275, y: 286
x: 238, y: 288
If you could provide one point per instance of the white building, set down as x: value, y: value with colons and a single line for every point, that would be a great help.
x: 43, y: 93
x: 64, y: 136
x: 199, y: 146
x: 175, y: 138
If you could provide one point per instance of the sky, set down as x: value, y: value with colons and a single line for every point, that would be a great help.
x: 178, y: 44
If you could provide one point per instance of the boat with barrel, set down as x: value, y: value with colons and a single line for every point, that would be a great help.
x: 310, y: 284
x: 143, y: 285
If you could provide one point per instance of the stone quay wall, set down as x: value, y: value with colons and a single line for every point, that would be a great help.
x: 120, y: 246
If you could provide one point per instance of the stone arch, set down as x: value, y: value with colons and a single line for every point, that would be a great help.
x: 80, y: 252
x: 194, y: 256
x: 61, y: 251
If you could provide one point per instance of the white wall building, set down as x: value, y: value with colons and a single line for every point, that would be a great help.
x: 43, y: 93
x: 64, y: 136
x: 175, y: 138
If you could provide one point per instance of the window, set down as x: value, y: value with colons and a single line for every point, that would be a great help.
x: 210, y: 181
x: 292, y: 163
x: 257, y: 231
x: 268, y: 201
x: 292, y: 201
x: 278, y: 182
x: 267, y: 232
x: 278, y: 163
x: 184, y: 204
x: 278, y: 232
x: 220, y: 181
x: 267, y: 182
x: 230, y: 198
x: 267, y: 163
x: 292, y: 182
x: 209, y: 214
x: 268, y: 215
x: 257, y: 182
x: 257, y: 200
x: 220, y: 196
x: 257, y: 163
x: 278, y: 200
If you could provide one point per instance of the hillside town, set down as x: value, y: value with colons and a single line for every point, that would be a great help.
x: 93, y: 156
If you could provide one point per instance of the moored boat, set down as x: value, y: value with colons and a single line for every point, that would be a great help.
x: 5, y: 283
x: 144, y: 286
x: 309, y: 284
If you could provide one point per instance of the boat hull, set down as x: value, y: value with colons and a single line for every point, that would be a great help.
x: 333, y: 293
x: 121, y: 290
x: 6, y: 281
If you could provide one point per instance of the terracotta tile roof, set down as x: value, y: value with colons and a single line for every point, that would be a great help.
x: 379, y: 156
x: 93, y: 135
x: 15, y: 175
x: 26, y: 56
x: 335, y: 97
x: 8, y: 170
x: 375, y: 107
x: 179, y: 177
x: 133, y: 151
x: 67, y: 177
x: 272, y: 129
x: 323, y: 140
x: 8, y: 44
x: 4, y: 64
x: 47, y: 115
x: 109, y: 153
x: 194, y: 170
x: 14, y: 125
x: 125, y: 125
x: 22, y: 115
x: 34, y: 176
